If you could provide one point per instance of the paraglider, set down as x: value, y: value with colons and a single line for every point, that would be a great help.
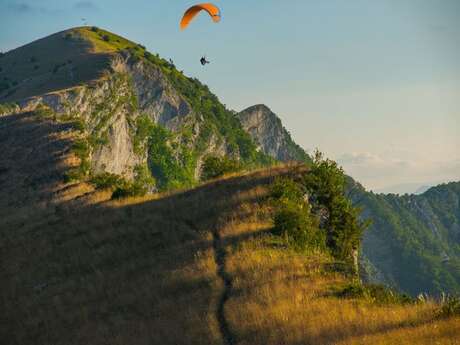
x: 193, y: 11
x: 204, y: 61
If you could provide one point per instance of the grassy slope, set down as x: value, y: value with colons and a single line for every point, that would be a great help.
x: 62, y: 60
x: 50, y: 64
x: 78, y: 269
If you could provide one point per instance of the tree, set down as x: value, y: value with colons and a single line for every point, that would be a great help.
x: 214, y: 166
x: 326, y: 184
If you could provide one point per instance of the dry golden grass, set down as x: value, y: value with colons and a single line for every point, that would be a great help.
x: 79, y: 269
x: 282, y: 297
x: 52, y: 64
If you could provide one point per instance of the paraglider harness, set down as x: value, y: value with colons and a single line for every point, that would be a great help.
x: 203, y: 61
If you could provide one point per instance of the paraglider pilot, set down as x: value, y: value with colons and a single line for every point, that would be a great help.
x: 204, y: 61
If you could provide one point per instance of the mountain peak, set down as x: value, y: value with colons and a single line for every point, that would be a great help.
x: 258, y: 107
x: 266, y: 129
x: 59, y: 61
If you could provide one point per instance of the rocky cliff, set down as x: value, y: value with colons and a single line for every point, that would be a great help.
x: 266, y: 129
x: 118, y: 103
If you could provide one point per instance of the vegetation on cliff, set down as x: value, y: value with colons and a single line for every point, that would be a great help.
x: 414, y: 240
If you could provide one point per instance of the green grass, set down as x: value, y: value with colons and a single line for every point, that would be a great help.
x: 374, y: 293
x: 104, y: 41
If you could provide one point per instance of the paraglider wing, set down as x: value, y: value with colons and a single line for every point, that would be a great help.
x: 193, y: 11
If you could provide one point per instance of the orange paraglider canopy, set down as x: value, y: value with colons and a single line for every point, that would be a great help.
x: 192, y: 12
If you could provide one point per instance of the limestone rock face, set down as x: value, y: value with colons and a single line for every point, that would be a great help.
x: 266, y: 129
x: 110, y: 106
x: 117, y: 156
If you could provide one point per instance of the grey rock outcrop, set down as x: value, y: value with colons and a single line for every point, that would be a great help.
x: 110, y: 106
x: 273, y: 139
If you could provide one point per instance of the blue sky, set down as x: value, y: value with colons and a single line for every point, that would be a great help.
x: 374, y: 84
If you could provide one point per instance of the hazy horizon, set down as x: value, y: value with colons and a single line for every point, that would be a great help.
x: 375, y: 85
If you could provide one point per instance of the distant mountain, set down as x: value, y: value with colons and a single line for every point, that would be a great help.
x: 405, y: 188
x: 422, y: 189
x: 411, y: 237
x: 414, y: 241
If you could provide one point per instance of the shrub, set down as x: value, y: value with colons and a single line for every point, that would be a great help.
x: 79, y: 125
x: 141, y: 185
x: 144, y: 128
x: 6, y: 108
x: 171, y: 164
x: 214, y: 166
x: 299, y: 228
x: 94, y: 29
x: 293, y: 219
x: 107, y: 180
x: 450, y: 306
x: 326, y: 184
x: 81, y: 149
x: 374, y: 293
x: 68, y: 36
x: 106, y: 38
x: 144, y: 178
x: 44, y: 112
x: 286, y: 189
x: 129, y: 189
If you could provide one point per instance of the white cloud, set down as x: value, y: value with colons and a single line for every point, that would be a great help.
x: 384, y: 171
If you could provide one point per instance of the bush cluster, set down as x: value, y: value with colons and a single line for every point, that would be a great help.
x: 81, y: 149
x: 325, y: 183
x: 171, y: 163
x: 214, y: 166
x: 313, y: 211
x: 141, y: 185
x: 450, y: 306
x: 293, y: 220
x: 107, y: 180
x: 44, y: 112
x: 374, y: 293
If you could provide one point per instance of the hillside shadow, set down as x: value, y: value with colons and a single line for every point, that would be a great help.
x: 32, y: 162
x: 147, y: 269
